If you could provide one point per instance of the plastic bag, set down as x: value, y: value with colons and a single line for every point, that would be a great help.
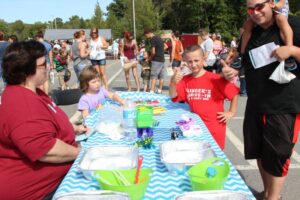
x: 170, y: 71
x: 281, y: 75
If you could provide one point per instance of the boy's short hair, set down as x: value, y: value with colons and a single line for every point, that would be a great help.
x: 86, y: 75
x: 148, y: 52
x: 14, y: 38
x: 192, y: 48
x: 177, y: 34
x: 148, y: 30
x: 203, y: 32
x: 39, y: 34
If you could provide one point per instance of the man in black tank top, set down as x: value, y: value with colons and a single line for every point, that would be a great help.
x: 272, y: 120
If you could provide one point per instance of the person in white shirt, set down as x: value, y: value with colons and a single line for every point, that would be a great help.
x: 233, y: 43
x: 207, y: 47
x: 97, y: 53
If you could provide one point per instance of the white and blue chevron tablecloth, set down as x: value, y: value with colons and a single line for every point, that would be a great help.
x: 163, y: 185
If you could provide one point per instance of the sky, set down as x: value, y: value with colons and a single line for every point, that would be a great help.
x: 30, y: 11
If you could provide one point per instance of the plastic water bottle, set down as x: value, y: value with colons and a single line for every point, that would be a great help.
x: 129, y: 120
x: 52, y: 76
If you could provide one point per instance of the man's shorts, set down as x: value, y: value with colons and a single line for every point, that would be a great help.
x: 157, y: 70
x: 271, y: 138
x: 98, y: 62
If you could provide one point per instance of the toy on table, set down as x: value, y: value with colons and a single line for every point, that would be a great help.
x: 188, y: 126
x: 175, y: 134
x: 211, y: 172
x: 147, y: 102
x: 153, y: 102
x: 157, y: 110
x: 144, y: 124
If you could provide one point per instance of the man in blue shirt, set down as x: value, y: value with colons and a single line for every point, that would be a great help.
x: 40, y: 37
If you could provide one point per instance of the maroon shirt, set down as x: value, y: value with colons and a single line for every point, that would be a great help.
x: 129, y: 50
x: 30, y: 123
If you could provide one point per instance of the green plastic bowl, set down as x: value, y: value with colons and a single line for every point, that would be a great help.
x: 108, y: 181
x: 200, y: 180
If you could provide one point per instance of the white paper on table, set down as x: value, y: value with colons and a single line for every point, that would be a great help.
x: 261, y: 56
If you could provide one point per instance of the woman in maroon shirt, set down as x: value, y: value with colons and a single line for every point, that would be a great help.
x: 37, y: 141
x: 129, y: 50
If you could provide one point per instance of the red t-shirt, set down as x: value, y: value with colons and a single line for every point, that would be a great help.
x: 29, y: 126
x: 206, y: 95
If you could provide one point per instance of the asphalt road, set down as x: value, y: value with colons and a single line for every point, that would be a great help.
x: 234, y: 141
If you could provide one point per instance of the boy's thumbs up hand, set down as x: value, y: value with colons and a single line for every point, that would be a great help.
x: 177, y: 75
x: 229, y: 72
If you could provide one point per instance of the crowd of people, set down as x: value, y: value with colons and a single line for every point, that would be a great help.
x: 38, y: 141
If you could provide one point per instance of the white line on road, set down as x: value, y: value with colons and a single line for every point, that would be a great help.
x: 250, y: 167
x: 238, y: 117
x: 296, y: 157
x: 115, y: 75
x: 240, y: 147
x: 238, y: 144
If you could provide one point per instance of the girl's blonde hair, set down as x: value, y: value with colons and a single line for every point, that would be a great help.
x: 86, y: 75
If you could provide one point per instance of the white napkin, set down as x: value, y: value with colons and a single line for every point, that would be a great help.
x: 281, y: 75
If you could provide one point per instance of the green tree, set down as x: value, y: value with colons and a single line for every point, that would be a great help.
x: 4, y: 27
x: 117, y: 8
x: 74, y: 22
x: 294, y: 6
x: 17, y: 28
x: 59, y: 22
x: 97, y: 19
x: 115, y: 24
x: 31, y: 30
x: 120, y: 16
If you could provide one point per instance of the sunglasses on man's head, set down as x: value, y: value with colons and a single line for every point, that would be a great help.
x: 257, y: 7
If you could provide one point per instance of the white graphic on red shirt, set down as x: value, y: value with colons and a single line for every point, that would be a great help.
x: 198, y: 94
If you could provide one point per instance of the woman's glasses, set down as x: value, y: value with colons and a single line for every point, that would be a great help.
x: 43, y: 65
x: 257, y: 7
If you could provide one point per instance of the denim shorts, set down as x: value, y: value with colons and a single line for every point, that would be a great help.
x: 99, y: 62
x: 78, y: 68
x: 176, y: 63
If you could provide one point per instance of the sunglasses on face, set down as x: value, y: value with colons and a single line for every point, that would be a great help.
x: 257, y: 7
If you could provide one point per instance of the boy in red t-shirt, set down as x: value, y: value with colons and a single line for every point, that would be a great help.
x: 205, y: 92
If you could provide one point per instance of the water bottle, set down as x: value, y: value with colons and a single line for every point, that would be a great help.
x: 129, y: 120
x: 52, y: 76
